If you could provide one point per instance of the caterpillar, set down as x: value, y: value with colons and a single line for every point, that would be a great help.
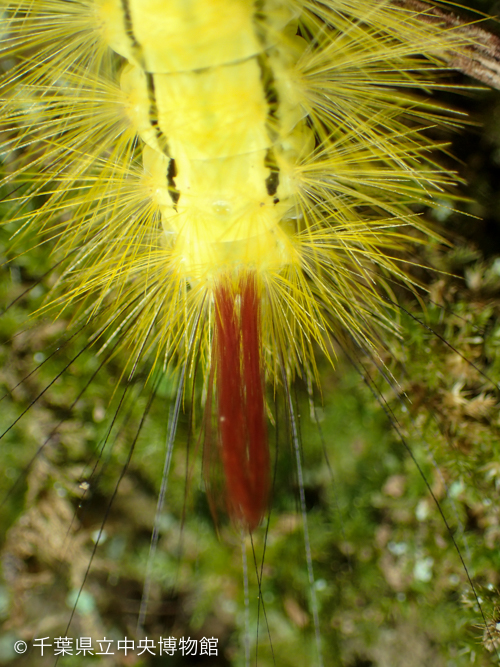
x: 232, y: 192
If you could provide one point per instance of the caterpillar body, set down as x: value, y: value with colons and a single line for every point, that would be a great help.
x: 229, y: 185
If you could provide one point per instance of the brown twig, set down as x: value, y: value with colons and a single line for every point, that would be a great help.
x: 480, y: 59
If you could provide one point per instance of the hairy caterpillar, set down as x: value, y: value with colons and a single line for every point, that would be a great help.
x: 251, y: 183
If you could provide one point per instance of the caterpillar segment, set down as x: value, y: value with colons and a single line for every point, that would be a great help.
x: 214, y: 157
x: 208, y: 91
x: 239, y: 176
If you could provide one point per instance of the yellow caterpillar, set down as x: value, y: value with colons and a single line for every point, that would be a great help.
x: 229, y: 185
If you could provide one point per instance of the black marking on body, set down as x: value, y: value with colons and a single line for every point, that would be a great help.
x: 129, y: 30
x: 259, y: 19
x: 162, y: 139
x: 153, y: 107
x: 153, y: 114
x: 172, y: 190
x: 272, y: 122
x: 273, y: 180
x: 271, y: 95
x: 266, y: 71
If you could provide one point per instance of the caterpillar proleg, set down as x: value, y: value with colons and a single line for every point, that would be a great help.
x: 235, y: 193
